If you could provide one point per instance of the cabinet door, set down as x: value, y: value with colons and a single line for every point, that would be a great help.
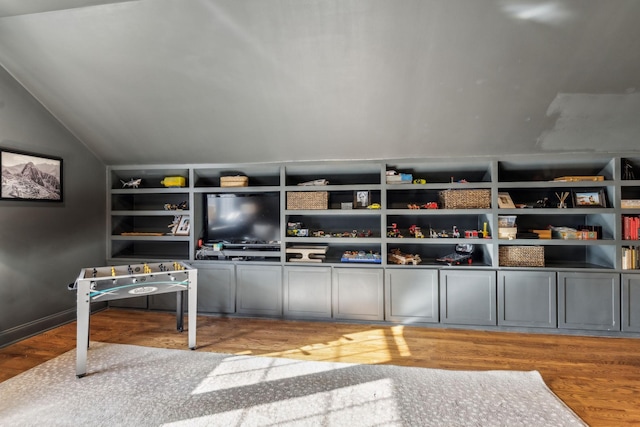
x: 259, y: 290
x: 527, y: 298
x: 358, y: 293
x: 631, y: 302
x: 307, y: 292
x: 468, y: 297
x: 216, y: 288
x: 411, y: 295
x: 589, y: 301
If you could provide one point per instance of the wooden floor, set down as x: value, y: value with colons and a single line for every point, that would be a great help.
x: 599, y: 378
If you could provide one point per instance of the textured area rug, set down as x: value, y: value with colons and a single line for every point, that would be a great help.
x: 139, y: 386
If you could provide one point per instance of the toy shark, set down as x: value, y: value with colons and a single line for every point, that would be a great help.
x: 133, y: 183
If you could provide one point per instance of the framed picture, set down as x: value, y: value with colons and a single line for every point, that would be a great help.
x: 585, y: 198
x: 183, y: 227
x: 29, y: 176
x: 361, y: 199
x: 505, y: 202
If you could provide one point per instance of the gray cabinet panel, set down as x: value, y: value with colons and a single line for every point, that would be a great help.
x: 307, y: 292
x: 527, y: 298
x: 216, y: 288
x: 411, y: 295
x: 589, y: 301
x: 358, y: 293
x: 259, y: 290
x: 468, y: 297
x: 631, y: 302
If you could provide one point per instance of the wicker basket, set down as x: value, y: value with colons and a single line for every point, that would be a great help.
x: 521, y: 256
x: 465, y: 199
x: 234, y: 181
x: 297, y: 200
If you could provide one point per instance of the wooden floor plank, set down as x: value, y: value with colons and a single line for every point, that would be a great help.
x: 598, y: 377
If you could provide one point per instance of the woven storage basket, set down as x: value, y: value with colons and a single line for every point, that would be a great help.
x: 521, y: 256
x: 307, y: 200
x: 465, y: 199
x: 234, y: 181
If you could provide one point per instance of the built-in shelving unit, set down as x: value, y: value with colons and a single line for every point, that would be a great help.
x: 138, y: 224
x: 138, y: 230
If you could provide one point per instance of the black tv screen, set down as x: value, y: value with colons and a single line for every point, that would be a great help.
x: 242, y: 218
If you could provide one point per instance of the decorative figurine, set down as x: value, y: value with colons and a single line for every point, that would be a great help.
x: 432, y: 233
x: 628, y: 170
x: 393, y: 231
x: 562, y: 199
x: 173, y: 207
x: 133, y: 183
x: 542, y: 203
x: 416, y: 232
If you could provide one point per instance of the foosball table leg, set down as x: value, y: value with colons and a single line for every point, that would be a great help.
x: 180, y: 311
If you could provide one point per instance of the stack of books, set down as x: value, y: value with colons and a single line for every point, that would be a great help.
x: 630, y: 226
x: 630, y: 259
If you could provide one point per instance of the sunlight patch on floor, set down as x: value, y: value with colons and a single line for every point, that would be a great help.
x: 243, y: 371
x: 401, y: 343
x: 369, y: 346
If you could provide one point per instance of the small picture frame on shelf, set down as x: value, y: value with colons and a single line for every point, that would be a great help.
x: 361, y: 199
x: 183, y: 227
x: 505, y: 202
x: 588, y: 198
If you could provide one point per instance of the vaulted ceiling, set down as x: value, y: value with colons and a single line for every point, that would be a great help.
x: 213, y: 81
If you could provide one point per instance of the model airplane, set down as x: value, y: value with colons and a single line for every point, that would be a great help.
x: 133, y: 183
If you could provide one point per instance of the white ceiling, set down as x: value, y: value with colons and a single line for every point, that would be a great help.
x: 212, y: 81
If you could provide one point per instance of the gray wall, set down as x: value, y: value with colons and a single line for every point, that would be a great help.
x: 44, y: 245
x: 242, y: 81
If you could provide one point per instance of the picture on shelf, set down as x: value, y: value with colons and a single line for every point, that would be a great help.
x: 505, y: 202
x: 589, y: 199
x: 361, y: 199
x: 183, y: 227
x: 27, y: 176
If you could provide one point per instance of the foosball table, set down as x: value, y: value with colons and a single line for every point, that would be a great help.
x: 97, y: 284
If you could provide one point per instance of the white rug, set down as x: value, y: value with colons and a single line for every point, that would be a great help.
x: 139, y: 386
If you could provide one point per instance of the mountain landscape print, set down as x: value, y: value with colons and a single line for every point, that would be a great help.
x: 30, y: 177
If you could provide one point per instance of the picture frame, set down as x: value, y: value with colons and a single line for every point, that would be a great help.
x: 184, y: 226
x: 361, y: 199
x: 505, y: 202
x: 589, y: 198
x: 30, y: 176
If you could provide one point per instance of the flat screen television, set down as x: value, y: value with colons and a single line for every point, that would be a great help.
x: 242, y: 219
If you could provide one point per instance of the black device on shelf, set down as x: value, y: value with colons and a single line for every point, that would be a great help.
x: 246, y: 220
